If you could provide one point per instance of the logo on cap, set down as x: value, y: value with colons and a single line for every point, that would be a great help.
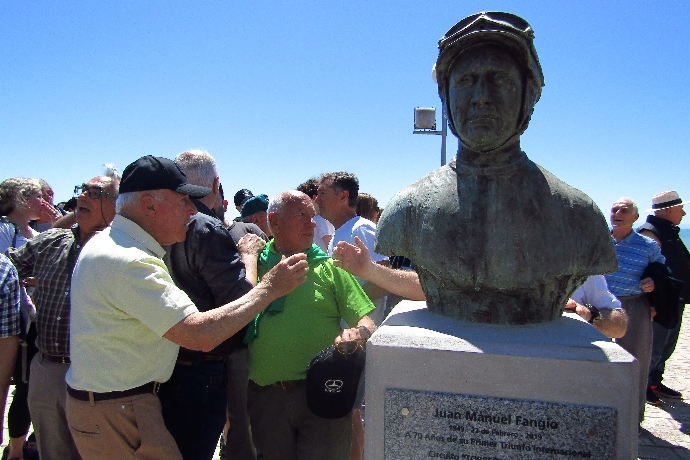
x: 334, y: 386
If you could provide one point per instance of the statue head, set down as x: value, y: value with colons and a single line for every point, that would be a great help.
x: 489, y: 55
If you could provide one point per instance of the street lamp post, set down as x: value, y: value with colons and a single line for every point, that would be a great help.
x: 425, y: 123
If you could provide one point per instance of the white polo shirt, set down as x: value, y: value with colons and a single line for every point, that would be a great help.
x: 123, y: 301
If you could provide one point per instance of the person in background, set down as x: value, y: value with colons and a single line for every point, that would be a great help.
x: 368, y: 207
x: 323, y: 233
x: 254, y: 212
x: 240, y: 197
x: 9, y: 329
x: 337, y: 200
x: 21, y: 201
x: 49, y: 214
x: 663, y: 228
x: 634, y: 252
x: 50, y: 258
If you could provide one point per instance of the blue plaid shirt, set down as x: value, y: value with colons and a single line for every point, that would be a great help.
x: 634, y: 253
x: 9, y: 298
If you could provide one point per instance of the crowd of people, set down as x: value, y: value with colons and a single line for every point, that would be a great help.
x: 144, y: 324
x: 175, y: 326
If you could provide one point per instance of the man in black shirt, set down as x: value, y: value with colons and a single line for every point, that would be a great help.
x: 663, y: 227
x: 211, y: 270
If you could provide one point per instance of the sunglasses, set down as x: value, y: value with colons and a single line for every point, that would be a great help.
x: 92, y: 192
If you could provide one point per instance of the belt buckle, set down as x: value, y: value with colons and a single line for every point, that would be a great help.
x: 156, y: 387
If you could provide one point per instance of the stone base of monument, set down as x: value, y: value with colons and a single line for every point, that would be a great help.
x: 447, y: 389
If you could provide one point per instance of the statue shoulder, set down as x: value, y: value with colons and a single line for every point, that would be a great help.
x: 407, y: 210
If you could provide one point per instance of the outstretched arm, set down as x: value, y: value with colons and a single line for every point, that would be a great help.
x: 613, y: 322
x: 205, y: 330
x: 356, y: 260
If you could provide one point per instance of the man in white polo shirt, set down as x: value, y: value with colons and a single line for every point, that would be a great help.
x: 129, y: 319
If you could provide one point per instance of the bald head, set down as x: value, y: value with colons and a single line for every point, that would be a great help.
x: 291, y: 219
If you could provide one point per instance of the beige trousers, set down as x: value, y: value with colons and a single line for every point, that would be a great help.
x: 125, y: 428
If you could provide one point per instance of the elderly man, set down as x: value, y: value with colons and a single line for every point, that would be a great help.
x: 635, y: 252
x: 494, y: 237
x: 50, y: 258
x: 291, y: 332
x: 662, y: 227
x: 208, y: 267
x: 254, y: 211
x: 9, y: 328
x: 129, y: 319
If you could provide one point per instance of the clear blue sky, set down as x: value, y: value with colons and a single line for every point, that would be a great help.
x: 282, y: 91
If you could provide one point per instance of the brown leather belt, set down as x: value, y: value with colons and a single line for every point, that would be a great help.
x: 151, y: 387
x: 57, y: 359
x: 284, y: 384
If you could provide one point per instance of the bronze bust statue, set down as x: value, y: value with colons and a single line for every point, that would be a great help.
x: 495, y: 238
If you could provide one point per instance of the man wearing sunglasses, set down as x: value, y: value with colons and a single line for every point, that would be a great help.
x: 50, y: 258
x: 291, y: 331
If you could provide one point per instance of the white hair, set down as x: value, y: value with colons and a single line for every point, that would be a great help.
x: 199, y: 167
x: 130, y: 200
x: 631, y: 202
x: 281, y: 200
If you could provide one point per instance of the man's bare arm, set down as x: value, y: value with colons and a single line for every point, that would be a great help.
x: 356, y: 333
x: 249, y: 247
x: 356, y: 260
x: 205, y: 330
x: 613, y: 322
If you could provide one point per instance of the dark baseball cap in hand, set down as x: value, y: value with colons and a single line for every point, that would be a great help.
x: 156, y: 173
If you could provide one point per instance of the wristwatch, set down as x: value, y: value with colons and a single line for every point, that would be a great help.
x: 594, y: 312
x: 366, y: 333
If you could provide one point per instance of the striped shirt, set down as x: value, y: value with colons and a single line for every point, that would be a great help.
x: 634, y: 253
x: 50, y: 258
x: 9, y: 299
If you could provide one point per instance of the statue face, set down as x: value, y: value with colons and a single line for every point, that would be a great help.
x: 485, y: 91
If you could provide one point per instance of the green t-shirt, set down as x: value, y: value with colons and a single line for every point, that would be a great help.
x: 310, y: 322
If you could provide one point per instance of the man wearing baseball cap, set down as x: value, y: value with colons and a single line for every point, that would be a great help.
x: 662, y: 226
x: 129, y: 319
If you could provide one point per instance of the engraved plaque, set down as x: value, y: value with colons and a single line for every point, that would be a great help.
x: 424, y: 425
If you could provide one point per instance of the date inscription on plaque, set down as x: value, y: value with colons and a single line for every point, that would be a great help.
x: 426, y: 425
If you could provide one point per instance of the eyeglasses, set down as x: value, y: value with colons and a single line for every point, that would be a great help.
x: 92, y: 192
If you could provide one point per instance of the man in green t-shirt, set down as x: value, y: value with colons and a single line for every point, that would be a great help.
x: 291, y: 331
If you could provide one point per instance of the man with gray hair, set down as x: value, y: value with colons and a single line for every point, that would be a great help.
x: 634, y: 253
x: 291, y: 331
x: 208, y: 267
x: 50, y: 257
x: 129, y: 319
